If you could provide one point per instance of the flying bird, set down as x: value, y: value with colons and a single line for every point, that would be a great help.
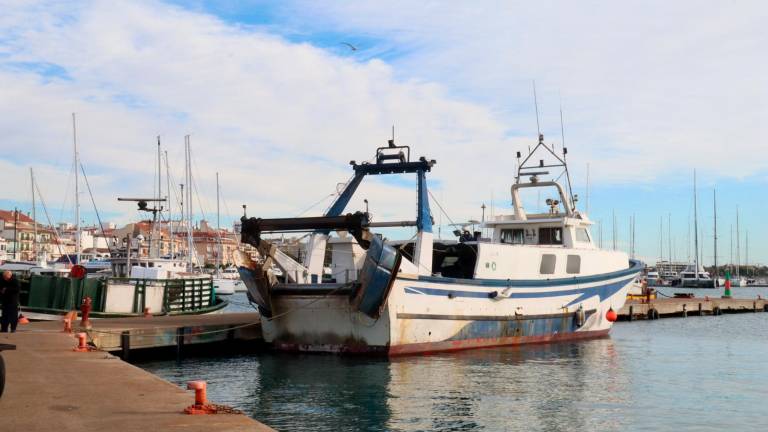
x: 352, y: 47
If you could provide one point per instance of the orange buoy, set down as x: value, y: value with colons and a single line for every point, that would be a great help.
x: 611, y: 315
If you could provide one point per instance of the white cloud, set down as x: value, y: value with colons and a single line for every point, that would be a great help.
x: 648, y: 87
x: 280, y: 120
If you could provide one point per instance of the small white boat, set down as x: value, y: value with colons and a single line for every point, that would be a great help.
x: 224, y: 286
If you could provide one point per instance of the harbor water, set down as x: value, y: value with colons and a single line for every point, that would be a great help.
x: 696, y: 373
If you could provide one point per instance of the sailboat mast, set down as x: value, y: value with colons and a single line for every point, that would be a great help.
x: 738, y: 249
x: 695, y: 228
x: 170, y: 207
x: 669, y: 236
x: 218, y: 225
x: 77, y: 190
x: 159, y: 195
x: 190, y: 243
x: 661, y: 238
x: 714, y: 205
x: 34, y: 219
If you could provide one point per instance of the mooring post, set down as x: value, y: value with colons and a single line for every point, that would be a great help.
x: 631, y: 313
x: 700, y: 311
x: 125, y: 344
x: 685, y: 311
x: 179, y: 342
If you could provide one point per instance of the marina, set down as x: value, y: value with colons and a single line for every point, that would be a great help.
x: 408, y: 217
x: 45, y: 362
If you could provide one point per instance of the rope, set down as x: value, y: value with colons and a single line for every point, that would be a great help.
x: 93, y: 201
x: 55, y: 231
x: 186, y: 334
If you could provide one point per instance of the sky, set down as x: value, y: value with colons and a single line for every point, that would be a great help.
x: 277, y: 104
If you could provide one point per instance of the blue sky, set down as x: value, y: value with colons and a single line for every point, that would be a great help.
x: 278, y: 105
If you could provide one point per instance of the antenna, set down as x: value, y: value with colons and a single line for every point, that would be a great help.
x: 562, y: 128
x: 392, y: 141
x: 536, y: 105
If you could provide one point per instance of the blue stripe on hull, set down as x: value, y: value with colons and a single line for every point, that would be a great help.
x: 544, y: 326
x: 602, y: 291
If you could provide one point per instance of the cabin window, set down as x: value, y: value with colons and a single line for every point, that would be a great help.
x: 573, y: 265
x: 582, y: 235
x: 547, y: 264
x: 550, y: 236
x: 512, y: 236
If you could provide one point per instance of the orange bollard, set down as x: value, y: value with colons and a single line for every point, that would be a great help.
x: 82, y: 344
x: 67, y: 325
x: 146, y: 313
x: 23, y: 319
x: 201, y: 405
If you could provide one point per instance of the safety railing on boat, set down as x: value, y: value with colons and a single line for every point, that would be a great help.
x: 127, y: 296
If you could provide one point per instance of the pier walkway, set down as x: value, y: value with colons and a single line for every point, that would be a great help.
x: 51, y: 387
x: 683, y: 307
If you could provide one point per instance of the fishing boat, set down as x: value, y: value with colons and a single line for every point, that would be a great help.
x: 538, y: 278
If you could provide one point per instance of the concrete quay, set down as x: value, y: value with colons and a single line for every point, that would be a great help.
x: 684, y: 307
x: 49, y: 386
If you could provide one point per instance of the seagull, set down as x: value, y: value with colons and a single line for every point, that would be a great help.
x: 352, y: 47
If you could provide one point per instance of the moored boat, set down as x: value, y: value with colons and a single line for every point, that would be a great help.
x: 538, y: 278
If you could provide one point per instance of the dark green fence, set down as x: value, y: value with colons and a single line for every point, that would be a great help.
x: 62, y: 293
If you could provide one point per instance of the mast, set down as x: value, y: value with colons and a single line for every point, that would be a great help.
x: 746, y: 260
x: 77, y: 190
x: 34, y: 219
x: 170, y: 207
x: 190, y: 243
x: 714, y: 205
x: 669, y: 236
x: 159, y: 197
x: 738, y: 249
x: 695, y: 228
x: 218, y: 226
x: 182, y: 214
x: 730, y: 258
x: 661, y: 238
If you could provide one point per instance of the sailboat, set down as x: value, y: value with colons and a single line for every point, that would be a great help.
x: 737, y: 280
x: 139, y: 284
x: 694, y: 276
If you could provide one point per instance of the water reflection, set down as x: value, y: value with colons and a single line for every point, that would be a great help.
x: 676, y: 374
x: 543, y: 387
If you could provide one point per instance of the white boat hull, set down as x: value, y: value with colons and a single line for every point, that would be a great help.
x: 427, y: 314
x: 224, y: 286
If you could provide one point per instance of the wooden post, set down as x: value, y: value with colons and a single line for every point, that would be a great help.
x: 700, y: 311
x: 631, y: 313
x: 685, y: 311
x: 125, y: 344
x: 179, y: 342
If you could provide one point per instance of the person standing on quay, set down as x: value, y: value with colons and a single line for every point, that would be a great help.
x: 9, y: 297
